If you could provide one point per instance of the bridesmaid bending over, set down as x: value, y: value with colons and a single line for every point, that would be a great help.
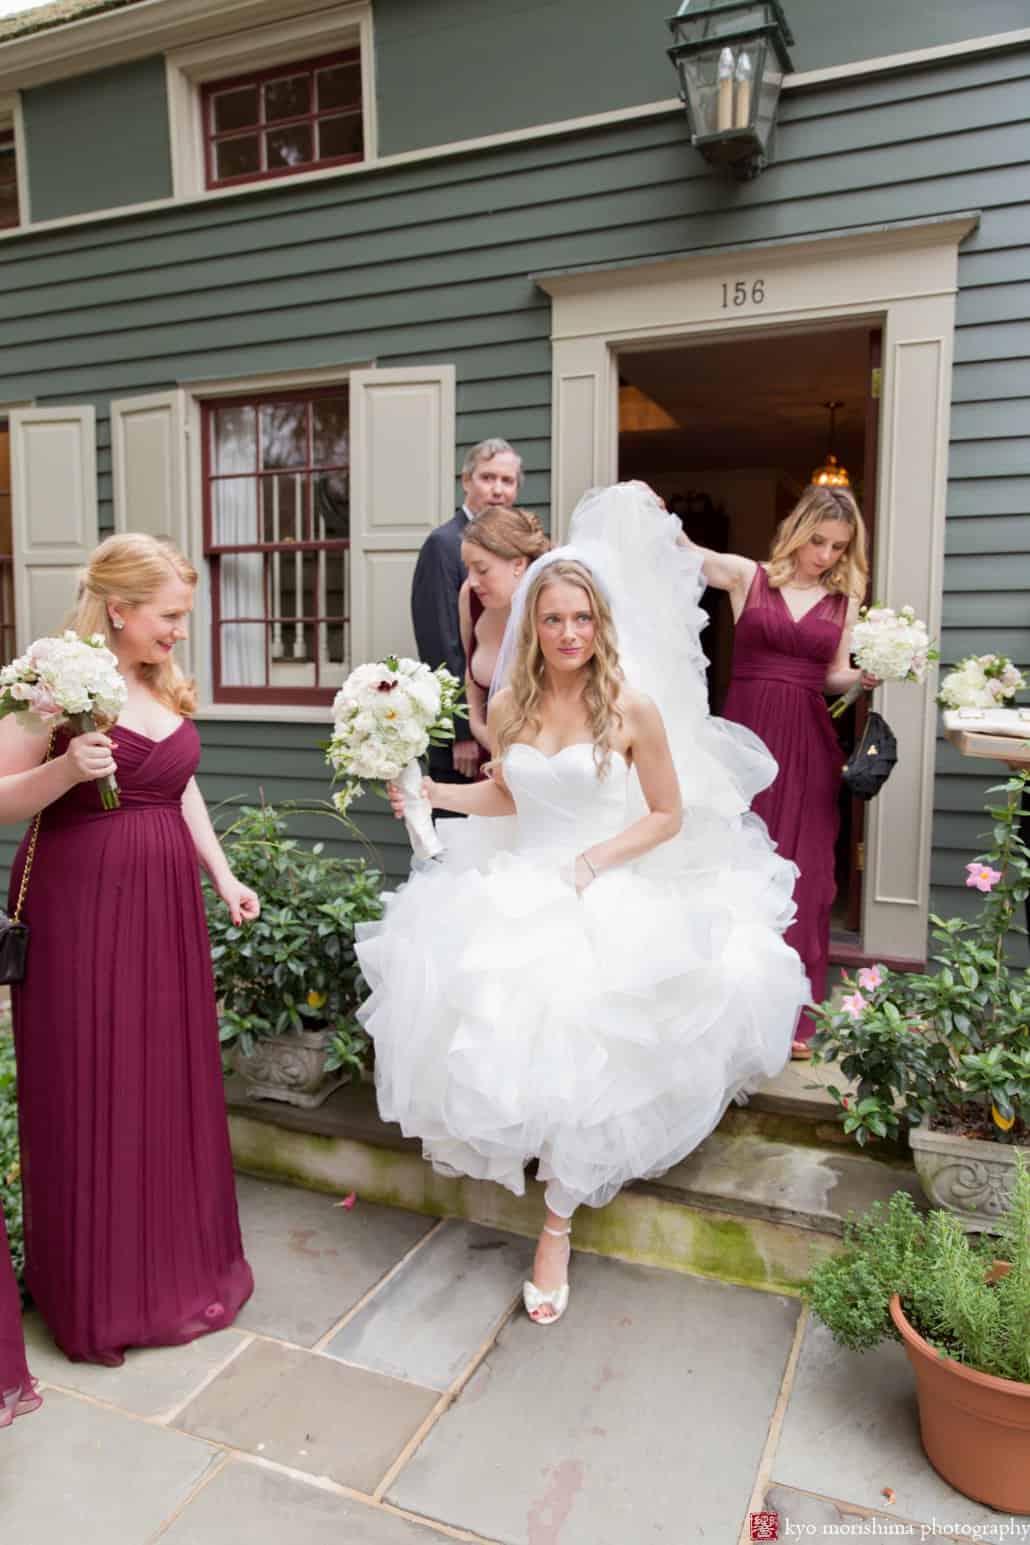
x: 794, y: 615
x: 498, y: 546
x: 131, y: 1231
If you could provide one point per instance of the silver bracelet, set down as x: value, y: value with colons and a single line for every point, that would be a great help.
x: 589, y: 865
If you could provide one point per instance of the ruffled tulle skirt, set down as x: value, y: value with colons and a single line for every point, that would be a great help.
x: 603, y: 1034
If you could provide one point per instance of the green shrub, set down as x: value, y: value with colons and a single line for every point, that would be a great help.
x: 294, y: 968
x: 10, y: 1167
x: 943, y: 1279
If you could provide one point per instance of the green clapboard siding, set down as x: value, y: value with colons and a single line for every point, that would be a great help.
x: 99, y: 141
x: 457, y: 69
x: 433, y: 262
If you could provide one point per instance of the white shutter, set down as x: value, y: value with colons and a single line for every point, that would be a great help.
x: 148, y: 465
x: 402, y: 485
x: 54, y: 488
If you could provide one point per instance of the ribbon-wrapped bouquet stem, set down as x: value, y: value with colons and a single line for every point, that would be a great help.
x: 385, y: 716
x: 67, y: 680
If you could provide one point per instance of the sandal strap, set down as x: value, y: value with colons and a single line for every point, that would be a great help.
x: 557, y: 1233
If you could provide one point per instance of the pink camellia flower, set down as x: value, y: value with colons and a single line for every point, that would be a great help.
x: 870, y: 978
x: 853, y: 1005
x: 982, y: 877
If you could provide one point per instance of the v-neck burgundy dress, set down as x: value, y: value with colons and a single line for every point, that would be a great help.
x: 776, y: 690
x: 131, y: 1231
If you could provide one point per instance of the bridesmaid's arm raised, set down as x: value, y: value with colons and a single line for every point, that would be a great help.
x: 652, y: 759
x: 27, y: 786
x: 242, y: 902
x: 725, y: 571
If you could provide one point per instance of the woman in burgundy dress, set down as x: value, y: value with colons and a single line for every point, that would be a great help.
x: 496, y: 549
x: 794, y: 615
x: 17, y: 1386
x: 131, y: 1231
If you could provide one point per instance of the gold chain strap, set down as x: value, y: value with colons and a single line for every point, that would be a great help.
x: 33, y: 836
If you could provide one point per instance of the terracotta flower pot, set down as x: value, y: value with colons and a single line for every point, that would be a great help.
x: 975, y: 1427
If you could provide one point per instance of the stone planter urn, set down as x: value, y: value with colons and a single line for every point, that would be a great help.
x: 290, y: 1067
x: 968, y: 1176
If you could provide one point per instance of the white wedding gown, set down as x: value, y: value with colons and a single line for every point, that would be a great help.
x: 603, y: 1033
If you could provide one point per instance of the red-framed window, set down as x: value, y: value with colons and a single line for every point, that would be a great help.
x: 271, y: 123
x: 276, y: 475
x: 8, y: 648
x: 8, y: 181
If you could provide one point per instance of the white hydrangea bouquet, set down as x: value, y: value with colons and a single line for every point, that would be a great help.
x: 385, y: 716
x: 67, y: 680
x: 980, y: 681
x: 893, y: 645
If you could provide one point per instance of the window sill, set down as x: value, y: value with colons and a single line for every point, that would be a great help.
x: 266, y: 713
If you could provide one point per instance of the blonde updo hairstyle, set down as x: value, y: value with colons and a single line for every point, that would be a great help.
x: 130, y: 569
x: 850, y: 574
x: 507, y: 533
x: 604, y: 676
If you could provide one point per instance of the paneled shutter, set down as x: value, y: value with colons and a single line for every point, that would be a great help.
x: 148, y: 464
x: 54, y: 488
x: 402, y: 485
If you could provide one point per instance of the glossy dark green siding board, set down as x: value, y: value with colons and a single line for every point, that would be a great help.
x: 434, y: 262
x: 99, y: 141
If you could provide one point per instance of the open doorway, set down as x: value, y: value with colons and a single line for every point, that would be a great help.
x: 729, y: 431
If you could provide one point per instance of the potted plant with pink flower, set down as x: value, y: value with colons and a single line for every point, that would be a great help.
x: 944, y: 1055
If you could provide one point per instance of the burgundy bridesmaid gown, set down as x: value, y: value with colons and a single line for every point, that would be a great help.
x: 17, y: 1386
x: 776, y: 690
x: 131, y: 1231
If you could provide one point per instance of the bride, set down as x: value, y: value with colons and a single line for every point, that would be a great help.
x: 593, y: 973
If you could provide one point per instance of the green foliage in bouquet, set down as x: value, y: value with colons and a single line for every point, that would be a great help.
x: 945, y: 1280
x: 10, y: 1165
x: 294, y: 968
x: 952, y: 1042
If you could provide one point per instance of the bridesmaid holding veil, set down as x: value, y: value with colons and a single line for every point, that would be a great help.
x: 498, y: 546
x: 131, y: 1232
x: 794, y: 615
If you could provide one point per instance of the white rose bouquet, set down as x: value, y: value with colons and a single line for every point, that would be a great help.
x: 893, y: 645
x: 67, y: 680
x: 385, y: 716
x: 980, y: 681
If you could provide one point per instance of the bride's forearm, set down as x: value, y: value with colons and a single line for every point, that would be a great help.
x: 483, y: 798
x: 644, y: 835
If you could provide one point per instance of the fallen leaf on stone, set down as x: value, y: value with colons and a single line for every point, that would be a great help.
x: 347, y: 1201
x: 888, y: 1493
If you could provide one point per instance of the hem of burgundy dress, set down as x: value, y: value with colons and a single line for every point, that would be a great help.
x: 218, y: 1314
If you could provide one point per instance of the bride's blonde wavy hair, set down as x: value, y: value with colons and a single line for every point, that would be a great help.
x: 850, y: 574
x: 131, y: 568
x: 604, y: 675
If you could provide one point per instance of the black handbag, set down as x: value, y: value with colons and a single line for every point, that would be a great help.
x: 872, y: 761
x: 14, y: 934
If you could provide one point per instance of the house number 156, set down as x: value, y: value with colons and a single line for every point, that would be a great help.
x: 739, y: 293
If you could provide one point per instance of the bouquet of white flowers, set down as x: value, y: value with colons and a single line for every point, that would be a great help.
x: 385, y: 716
x: 980, y: 681
x: 67, y: 680
x: 893, y: 645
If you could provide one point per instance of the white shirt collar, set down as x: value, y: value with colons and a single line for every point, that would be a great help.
x: 467, y: 512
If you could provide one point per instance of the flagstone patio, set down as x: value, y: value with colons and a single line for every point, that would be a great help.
x: 383, y: 1387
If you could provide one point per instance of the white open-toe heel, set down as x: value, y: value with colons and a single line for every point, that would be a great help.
x: 536, y: 1299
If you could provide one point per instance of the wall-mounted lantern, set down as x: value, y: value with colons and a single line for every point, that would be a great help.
x: 731, y: 56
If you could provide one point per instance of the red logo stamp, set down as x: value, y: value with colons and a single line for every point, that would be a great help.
x: 765, y: 1526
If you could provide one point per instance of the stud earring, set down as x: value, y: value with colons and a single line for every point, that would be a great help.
x: 117, y: 623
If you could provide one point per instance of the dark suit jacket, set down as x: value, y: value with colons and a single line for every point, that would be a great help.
x: 439, y: 575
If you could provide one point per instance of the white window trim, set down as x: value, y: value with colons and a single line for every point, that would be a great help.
x: 11, y: 118
x: 258, y: 48
x: 196, y: 393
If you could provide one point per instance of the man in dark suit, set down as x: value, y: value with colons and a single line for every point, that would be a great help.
x: 491, y: 475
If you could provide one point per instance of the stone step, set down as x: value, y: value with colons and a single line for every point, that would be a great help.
x: 746, y: 1207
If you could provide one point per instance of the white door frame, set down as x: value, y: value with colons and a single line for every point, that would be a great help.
x: 904, y: 278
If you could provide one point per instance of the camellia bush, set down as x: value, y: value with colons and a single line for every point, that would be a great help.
x: 10, y: 1165
x: 951, y: 1043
